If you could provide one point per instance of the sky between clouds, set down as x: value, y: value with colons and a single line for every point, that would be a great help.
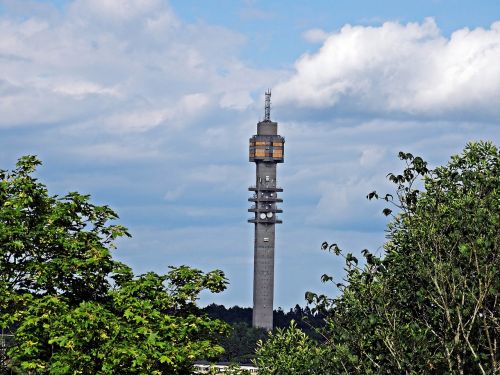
x: 148, y: 105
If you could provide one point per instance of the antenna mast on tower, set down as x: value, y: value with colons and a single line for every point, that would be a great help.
x: 267, y: 106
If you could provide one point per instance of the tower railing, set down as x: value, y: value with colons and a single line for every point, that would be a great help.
x: 266, y: 188
x: 265, y: 199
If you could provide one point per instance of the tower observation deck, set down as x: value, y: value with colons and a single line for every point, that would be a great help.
x: 266, y: 151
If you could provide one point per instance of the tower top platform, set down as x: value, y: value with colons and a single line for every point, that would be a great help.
x: 267, y: 127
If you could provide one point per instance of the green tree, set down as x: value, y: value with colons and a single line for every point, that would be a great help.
x: 51, y: 245
x: 430, y: 303
x: 289, y: 351
x: 239, y: 345
x: 73, y: 308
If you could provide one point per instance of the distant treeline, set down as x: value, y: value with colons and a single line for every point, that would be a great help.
x: 241, y: 343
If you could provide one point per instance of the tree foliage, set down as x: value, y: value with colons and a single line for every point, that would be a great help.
x: 73, y: 308
x: 430, y: 303
x: 289, y: 351
x: 239, y: 346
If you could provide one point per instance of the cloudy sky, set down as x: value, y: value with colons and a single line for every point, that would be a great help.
x: 148, y: 105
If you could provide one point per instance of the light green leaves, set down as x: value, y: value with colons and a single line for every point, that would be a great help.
x: 429, y: 304
x: 73, y: 308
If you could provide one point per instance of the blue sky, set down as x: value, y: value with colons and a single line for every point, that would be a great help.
x: 148, y: 105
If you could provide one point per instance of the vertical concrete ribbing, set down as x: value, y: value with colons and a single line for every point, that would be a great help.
x: 264, y: 243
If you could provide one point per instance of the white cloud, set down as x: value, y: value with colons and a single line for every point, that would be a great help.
x: 109, y: 151
x: 174, y: 194
x: 117, y: 10
x: 127, y: 65
x: 342, y: 202
x: 136, y: 121
x: 239, y: 100
x: 315, y: 35
x: 371, y: 155
x: 225, y: 177
x: 394, y: 68
x: 80, y: 89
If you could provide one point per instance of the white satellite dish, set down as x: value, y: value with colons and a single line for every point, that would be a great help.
x: 263, y: 215
x: 269, y: 215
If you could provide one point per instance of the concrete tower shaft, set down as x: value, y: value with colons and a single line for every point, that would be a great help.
x: 266, y: 150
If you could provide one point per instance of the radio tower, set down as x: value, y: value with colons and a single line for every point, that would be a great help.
x: 266, y: 150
